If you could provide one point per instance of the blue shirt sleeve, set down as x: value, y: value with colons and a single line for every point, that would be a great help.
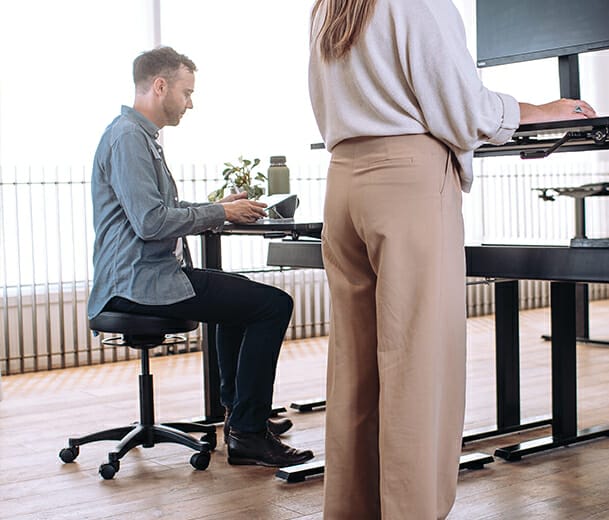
x: 148, y: 196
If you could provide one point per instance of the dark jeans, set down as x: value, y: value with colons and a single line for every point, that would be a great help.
x: 251, y: 322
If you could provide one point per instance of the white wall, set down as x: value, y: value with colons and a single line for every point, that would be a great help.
x: 251, y: 94
x: 65, y: 68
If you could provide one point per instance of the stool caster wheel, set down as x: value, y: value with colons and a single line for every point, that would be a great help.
x: 200, y: 460
x: 69, y: 454
x: 211, y: 439
x: 109, y: 469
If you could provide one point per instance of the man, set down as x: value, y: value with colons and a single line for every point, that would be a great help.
x: 142, y: 265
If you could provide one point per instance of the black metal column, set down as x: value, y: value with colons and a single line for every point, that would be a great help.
x: 507, y: 364
x: 581, y: 297
x: 211, y: 258
x: 564, y: 372
x: 582, y: 312
x: 568, y: 74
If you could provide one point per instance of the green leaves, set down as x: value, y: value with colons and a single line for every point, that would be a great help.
x: 240, y: 176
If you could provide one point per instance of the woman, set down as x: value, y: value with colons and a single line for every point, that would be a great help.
x: 399, y: 104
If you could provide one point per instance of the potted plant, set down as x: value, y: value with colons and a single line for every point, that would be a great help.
x: 240, y: 177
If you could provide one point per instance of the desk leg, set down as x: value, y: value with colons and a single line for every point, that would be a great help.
x: 583, y: 313
x: 211, y: 257
x: 564, y: 381
x: 583, y: 317
x: 564, y: 362
x: 582, y: 299
x: 583, y: 330
x: 507, y: 363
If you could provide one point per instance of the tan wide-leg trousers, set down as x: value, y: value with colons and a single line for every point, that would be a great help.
x: 394, y: 255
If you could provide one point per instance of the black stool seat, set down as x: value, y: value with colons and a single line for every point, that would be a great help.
x: 139, y: 330
x: 143, y: 333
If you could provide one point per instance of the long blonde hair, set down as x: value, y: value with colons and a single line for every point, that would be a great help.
x: 343, y: 24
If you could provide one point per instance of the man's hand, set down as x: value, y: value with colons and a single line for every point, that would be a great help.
x: 560, y: 110
x: 242, y: 210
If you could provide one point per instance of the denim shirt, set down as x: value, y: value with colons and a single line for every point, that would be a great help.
x: 138, y: 218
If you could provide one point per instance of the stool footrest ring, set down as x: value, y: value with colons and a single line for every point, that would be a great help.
x: 144, y: 341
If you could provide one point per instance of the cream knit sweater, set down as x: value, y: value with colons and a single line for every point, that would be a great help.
x: 410, y: 73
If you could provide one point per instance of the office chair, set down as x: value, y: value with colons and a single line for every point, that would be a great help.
x: 143, y: 333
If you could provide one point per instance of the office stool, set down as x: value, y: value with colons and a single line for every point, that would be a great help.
x: 143, y: 333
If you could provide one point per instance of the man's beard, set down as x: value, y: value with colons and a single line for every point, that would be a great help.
x: 172, y: 115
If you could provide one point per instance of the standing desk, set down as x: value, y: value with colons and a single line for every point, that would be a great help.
x: 567, y: 268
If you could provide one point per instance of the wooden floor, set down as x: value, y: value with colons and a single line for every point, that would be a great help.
x: 40, y: 411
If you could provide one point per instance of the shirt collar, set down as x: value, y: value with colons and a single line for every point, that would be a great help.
x: 148, y: 126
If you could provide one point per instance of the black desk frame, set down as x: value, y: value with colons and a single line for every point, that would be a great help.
x: 565, y: 267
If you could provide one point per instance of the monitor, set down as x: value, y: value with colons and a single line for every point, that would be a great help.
x: 510, y: 31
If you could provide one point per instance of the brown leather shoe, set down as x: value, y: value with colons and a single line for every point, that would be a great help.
x: 263, y: 449
x: 275, y: 426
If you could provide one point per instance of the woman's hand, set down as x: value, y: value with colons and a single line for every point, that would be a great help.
x: 560, y: 110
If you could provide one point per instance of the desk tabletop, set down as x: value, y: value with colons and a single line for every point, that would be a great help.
x: 557, y: 263
x: 276, y: 228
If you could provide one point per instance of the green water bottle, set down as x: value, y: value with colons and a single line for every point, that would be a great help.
x: 278, y: 176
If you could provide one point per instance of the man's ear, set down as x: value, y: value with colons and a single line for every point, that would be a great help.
x: 159, y: 85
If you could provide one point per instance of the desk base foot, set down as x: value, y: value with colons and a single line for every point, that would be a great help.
x: 475, y: 460
x: 517, y: 451
x: 301, y: 472
x: 479, y: 434
x: 276, y: 410
x: 308, y: 405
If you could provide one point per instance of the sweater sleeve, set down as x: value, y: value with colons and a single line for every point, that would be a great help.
x: 456, y: 107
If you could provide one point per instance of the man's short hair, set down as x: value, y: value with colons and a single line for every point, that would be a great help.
x: 162, y: 61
